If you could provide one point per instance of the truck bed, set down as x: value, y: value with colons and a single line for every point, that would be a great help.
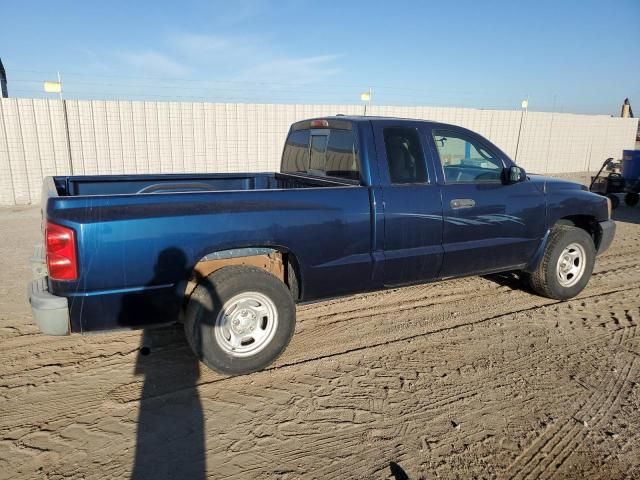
x: 71, y: 186
x: 139, y: 237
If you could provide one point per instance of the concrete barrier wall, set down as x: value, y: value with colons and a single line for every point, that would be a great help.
x: 111, y: 137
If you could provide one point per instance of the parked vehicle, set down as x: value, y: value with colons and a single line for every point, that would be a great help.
x: 623, y: 177
x: 360, y: 204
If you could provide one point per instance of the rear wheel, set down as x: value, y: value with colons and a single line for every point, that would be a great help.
x: 566, y: 265
x: 631, y: 199
x: 239, y: 320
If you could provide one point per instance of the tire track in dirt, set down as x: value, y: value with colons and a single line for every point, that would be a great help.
x: 475, y: 434
x: 437, y: 403
x: 539, y: 460
x: 390, y: 433
x: 621, y: 387
x: 520, y: 364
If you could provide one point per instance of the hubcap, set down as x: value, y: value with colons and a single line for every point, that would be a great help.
x: 246, y: 324
x: 571, y: 265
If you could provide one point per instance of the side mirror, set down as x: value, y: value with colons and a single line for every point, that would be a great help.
x: 515, y: 174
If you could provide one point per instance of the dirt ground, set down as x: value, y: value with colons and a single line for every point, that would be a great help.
x: 469, y: 378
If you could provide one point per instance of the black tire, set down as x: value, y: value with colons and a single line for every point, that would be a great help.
x: 615, y: 201
x: 632, y: 199
x: 206, y: 302
x: 545, y: 280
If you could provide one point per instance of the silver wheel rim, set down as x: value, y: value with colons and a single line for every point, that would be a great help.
x: 246, y: 324
x: 571, y: 265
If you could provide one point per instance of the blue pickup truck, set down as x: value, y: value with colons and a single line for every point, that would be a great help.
x: 360, y: 204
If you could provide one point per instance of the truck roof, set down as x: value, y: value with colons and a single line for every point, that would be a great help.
x: 372, y: 118
x: 345, y: 121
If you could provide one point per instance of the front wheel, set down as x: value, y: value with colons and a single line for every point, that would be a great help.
x: 239, y: 319
x: 566, y: 265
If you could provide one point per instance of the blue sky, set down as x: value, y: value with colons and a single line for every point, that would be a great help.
x: 572, y: 56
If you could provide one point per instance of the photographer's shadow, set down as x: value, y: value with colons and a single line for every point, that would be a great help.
x: 170, y: 441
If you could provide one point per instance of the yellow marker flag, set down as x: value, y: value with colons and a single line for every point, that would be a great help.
x: 365, y: 96
x: 52, y: 87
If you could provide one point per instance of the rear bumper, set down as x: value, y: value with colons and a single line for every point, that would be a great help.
x: 607, y: 232
x: 51, y: 313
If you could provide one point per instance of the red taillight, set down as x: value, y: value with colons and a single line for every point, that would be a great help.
x: 319, y: 124
x: 61, y: 252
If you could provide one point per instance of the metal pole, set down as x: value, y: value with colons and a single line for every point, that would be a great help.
x: 370, y: 93
x: 66, y: 125
x: 60, y: 82
x: 515, y: 159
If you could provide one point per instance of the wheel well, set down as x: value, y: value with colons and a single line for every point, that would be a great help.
x: 586, y: 222
x: 280, y: 263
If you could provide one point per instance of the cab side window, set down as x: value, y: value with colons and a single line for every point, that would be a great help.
x: 404, y: 155
x: 465, y: 160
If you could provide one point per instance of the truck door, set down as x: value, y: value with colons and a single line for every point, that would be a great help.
x: 411, y: 205
x: 488, y: 225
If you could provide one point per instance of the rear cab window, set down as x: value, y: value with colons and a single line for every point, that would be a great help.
x: 295, y: 157
x: 322, y: 152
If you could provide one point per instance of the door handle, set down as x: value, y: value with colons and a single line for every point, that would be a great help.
x: 458, y: 203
